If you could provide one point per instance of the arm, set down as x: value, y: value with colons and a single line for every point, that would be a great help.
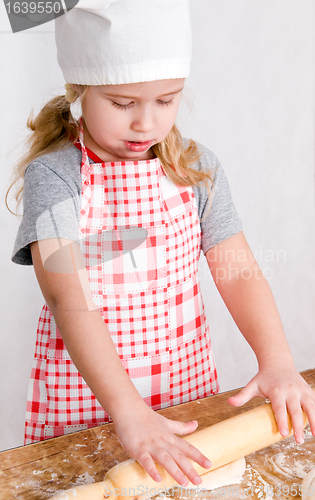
x: 249, y: 299
x: 145, y: 434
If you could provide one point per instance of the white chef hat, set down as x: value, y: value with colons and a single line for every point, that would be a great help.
x: 111, y: 42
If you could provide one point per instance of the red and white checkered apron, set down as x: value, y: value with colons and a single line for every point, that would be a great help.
x: 140, y: 237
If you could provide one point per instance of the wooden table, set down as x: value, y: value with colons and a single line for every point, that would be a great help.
x: 39, y: 470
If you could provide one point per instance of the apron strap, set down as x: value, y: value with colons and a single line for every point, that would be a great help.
x: 90, y: 153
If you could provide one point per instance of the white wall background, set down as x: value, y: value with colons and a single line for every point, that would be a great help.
x: 252, y: 86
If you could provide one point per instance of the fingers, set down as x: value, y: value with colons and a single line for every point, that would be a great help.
x: 177, y: 465
x: 279, y: 407
x: 239, y: 399
x: 175, y: 460
x: 298, y: 400
x: 309, y: 408
x: 175, y: 455
x: 146, y: 461
x: 188, y: 450
x: 295, y: 406
x: 182, y: 428
x: 244, y: 395
x: 296, y: 416
x: 288, y: 394
x: 193, y: 453
x: 157, y: 444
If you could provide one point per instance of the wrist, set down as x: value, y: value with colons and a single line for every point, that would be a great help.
x: 278, y: 361
x: 131, y: 408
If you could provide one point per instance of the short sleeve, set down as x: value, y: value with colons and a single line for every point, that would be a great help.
x: 50, y: 210
x: 217, y: 214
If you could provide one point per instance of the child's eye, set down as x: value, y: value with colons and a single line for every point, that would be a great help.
x: 165, y: 103
x: 122, y: 106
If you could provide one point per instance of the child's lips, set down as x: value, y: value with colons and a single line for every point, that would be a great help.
x: 138, y: 146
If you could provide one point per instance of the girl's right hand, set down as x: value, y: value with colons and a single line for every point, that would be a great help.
x: 149, y: 437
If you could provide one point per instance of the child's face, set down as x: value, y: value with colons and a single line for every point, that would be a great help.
x: 123, y: 122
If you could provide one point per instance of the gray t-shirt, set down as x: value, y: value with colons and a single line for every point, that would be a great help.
x: 51, y: 202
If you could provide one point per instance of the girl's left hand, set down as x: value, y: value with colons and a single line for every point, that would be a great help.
x: 287, y: 392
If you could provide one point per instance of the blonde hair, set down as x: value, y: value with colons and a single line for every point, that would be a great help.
x: 54, y: 129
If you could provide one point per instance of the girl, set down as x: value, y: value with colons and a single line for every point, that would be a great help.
x: 116, y: 209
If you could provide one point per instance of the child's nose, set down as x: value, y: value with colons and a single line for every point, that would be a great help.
x: 143, y: 121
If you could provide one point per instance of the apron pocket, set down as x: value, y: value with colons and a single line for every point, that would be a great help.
x: 150, y: 376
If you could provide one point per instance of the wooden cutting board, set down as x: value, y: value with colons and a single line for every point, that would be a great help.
x: 37, y: 471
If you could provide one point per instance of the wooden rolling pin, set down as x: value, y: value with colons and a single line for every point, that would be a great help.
x: 222, y: 443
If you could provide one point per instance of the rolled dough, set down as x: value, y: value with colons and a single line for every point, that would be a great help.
x: 228, y: 474
x: 308, y: 486
x: 223, y: 476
